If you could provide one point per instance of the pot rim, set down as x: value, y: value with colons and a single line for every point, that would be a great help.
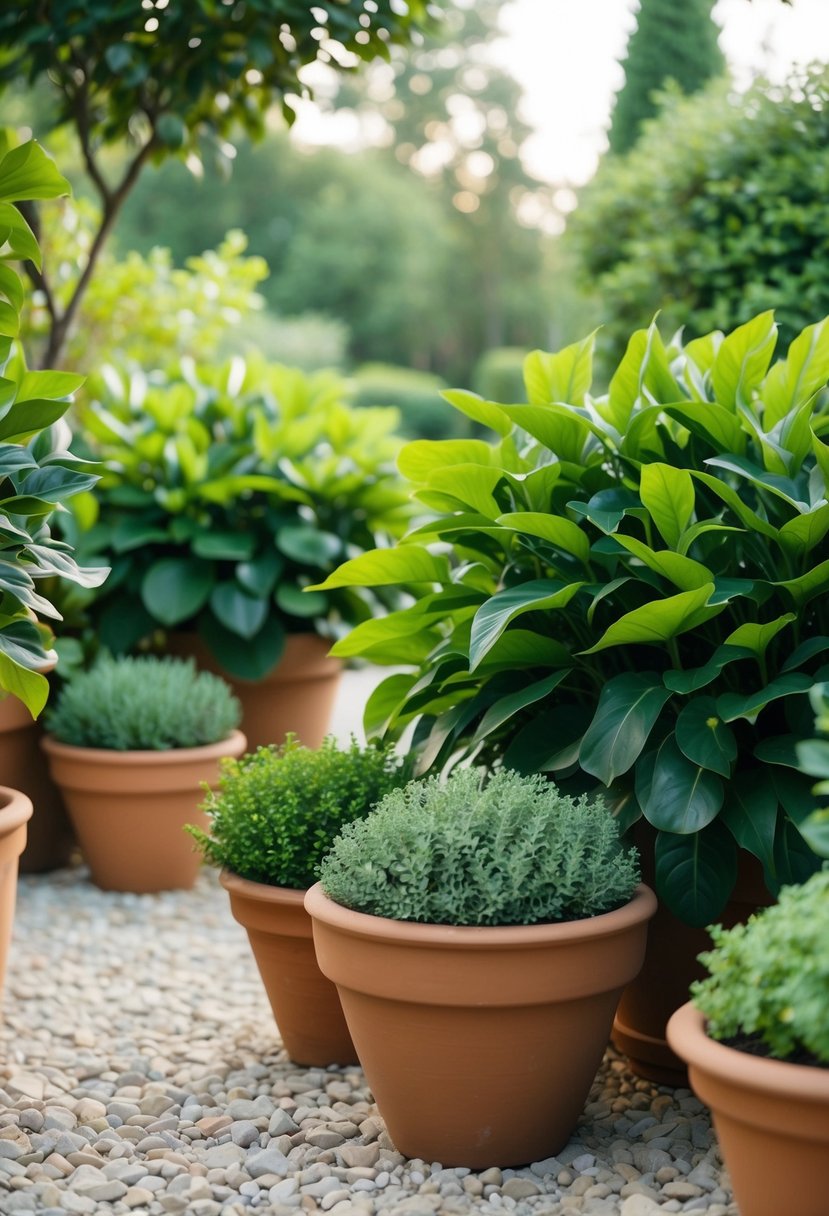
x: 15, y: 809
x: 641, y: 906
x: 233, y: 744
x: 688, y: 1037
x: 265, y: 892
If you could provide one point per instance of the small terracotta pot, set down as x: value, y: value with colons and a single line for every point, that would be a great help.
x: 771, y: 1119
x: 296, y: 696
x: 305, y: 1004
x: 50, y: 838
x: 480, y: 1044
x: 129, y: 809
x: 15, y: 812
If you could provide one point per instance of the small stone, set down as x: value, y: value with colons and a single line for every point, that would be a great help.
x: 211, y: 1125
x: 103, y: 1191
x: 223, y: 1155
x: 681, y: 1190
x: 244, y: 1133
x: 88, y: 1109
x: 267, y: 1161
x: 281, y: 1124
x: 323, y: 1138
x: 491, y: 1177
x: 339, y: 1196
x: 639, y: 1205
x: 31, y: 1119
x: 26, y: 1085
x: 359, y: 1154
x: 519, y: 1188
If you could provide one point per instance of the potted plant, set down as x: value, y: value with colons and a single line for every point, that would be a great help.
x: 756, y: 1039
x: 272, y: 816
x: 479, y: 937
x: 131, y: 744
x: 225, y: 491
x: 630, y: 594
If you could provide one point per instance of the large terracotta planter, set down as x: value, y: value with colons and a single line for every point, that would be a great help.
x: 639, y: 1029
x: 771, y: 1119
x: 297, y: 695
x: 305, y: 1004
x: 479, y: 1044
x: 50, y: 838
x: 129, y: 809
x: 15, y: 812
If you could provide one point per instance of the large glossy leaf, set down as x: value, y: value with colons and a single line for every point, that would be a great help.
x: 660, y: 620
x: 488, y: 413
x: 731, y: 706
x: 750, y: 519
x: 420, y: 458
x: 683, y: 797
x: 683, y: 572
x: 550, y: 741
x: 565, y: 376
x: 385, y: 701
x: 174, y: 589
x: 244, y: 658
x: 743, y: 360
x: 757, y: 637
x: 796, y: 378
x: 607, y: 508
x: 259, y: 574
x: 471, y: 485
x: 695, y: 874
x: 26, y: 172
x: 523, y: 648
x: 225, y: 546
x: 668, y: 494
x: 559, y: 429
x: 239, y: 612
x: 800, y: 535
x: 711, y: 422
x: 782, y: 487
x: 750, y: 814
x: 556, y: 529
x: 794, y: 860
x: 629, y: 706
x: 704, y: 738
x: 493, y: 617
x: 389, y: 567
x: 815, y: 831
x: 806, y: 586
x: 508, y: 706
x: 308, y: 545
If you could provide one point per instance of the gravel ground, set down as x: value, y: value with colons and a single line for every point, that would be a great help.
x: 140, y: 1070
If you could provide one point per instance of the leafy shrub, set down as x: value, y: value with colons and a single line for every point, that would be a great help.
x: 637, y: 596
x: 770, y: 977
x: 719, y: 212
x: 143, y: 704
x: 310, y: 341
x: 499, y: 374
x: 511, y: 852
x: 276, y: 811
x: 415, y: 394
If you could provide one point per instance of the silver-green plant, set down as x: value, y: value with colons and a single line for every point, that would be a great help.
x: 768, y: 979
x: 143, y: 704
x: 511, y: 851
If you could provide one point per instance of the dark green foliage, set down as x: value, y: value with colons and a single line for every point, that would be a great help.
x: 512, y: 851
x: 813, y: 758
x: 719, y: 212
x: 415, y: 395
x: 671, y: 41
x: 276, y: 811
x: 770, y: 977
x: 143, y: 704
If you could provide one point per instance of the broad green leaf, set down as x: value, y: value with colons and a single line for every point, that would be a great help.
x: 800, y: 535
x: 794, y: 860
x: 695, y: 874
x: 660, y: 620
x: 488, y: 413
x: 813, y: 757
x: 732, y: 705
x: 805, y: 651
x: 815, y: 831
x: 558, y: 428
x: 517, y: 648
x: 556, y: 529
x: 244, y: 658
x: 49, y: 385
x: 608, y: 508
x: 798, y: 377
x: 21, y: 240
x: 668, y: 494
x: 684, y: 798
x: 507, y: 707
x: 296, y: 601
x: 550, y: 741
x: 239, y: 612
x: 750, y: 519
x: 712, y: 423
x: 695, y: 678
x: 704, y: 738
x: 421, y: 457
x: 565, y: 376
x: 28, y: 686
x: 259, y: 574
x: 778, y: 749
x: 782, y: 487
x: 807, y: 586
x: 26, y: 172
x: 493, y: 617
x: 743, y: 360
x: 388, y: 567
x: 385, y: 701
x: 629, y: 706
x: 683, y: 572
x: 750, y: 814
x: 308, y: 545
x: 757, y: 637
x: 644, y: 362
x: 174, y: 589
x: 471, y: 485
x: 27, y: 418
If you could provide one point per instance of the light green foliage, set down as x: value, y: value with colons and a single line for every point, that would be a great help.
x: 719, y: 212
x: 636, y: 596
x: 310, y: 341
x: 143, y: 704
x: 415, y: 395
x: 499, y: 374
x: 226, y: 489
x: 813, y: 758
x: 512, y: 851
x: 276, y: 811
x: 770, y: 977
x: 671, y: 41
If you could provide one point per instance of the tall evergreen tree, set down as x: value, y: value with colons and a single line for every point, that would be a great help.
x: 671, y: 42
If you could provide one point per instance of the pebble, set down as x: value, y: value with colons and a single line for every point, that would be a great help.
x: 130, y: 1082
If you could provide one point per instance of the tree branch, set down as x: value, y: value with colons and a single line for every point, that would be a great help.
x: 38, y: 277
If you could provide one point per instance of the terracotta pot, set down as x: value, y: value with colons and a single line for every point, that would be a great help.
x: 50, y: 838
x: 771, y: 1119
x: 305, y: 1004
x: 15, y: 812
x: 129, y: 809
x: 479, y: 1044
x: 297, y: 695
x: 670, y: 967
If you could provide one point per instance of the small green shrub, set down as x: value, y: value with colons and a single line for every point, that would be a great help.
x: 513, y: 852
x: 276, y: 811
x: 499, y: 374
x: 770, y: 977
x: 143, y: 704
x: 417, y: 396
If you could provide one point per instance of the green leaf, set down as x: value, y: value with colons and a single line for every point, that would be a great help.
x: 471, y: 485
x: 492, y: 618
x: 629, y: 706
x: 797, y: 378
x: 794, y: 860
x: 259, y: 575
x: 704, y: 738
x: 684, y: 798
x: 388, y: 567
x: 660, y: 620
x: 488, y: 413
x: 782, y: 487
x: 26, y: 172
x: 565, y: 376
x: 27, y: 418
x: 815, y: 831
x: 750, y: 814
x: 732, y: 705
x: 800, y: 535
x: 712, y: 423
x: 508, y: 706
x: 296, y: 601
x: 683, y: 572
x: 668, y: 494
x: 557, y: 427
x: 225, y: 546
x: 695, y: 874
x: 556, y: 529
x: 419, y: 459
x: 239, y: 612
x: 174, y: 589
x: 778, y: 749
x: 608, y: 508
x: 28, y: 686
x: 385, y: 701
x: 813, y: 757
x: 743, y: 360
x: 308, y: 545
x: 757, y: 637
x: 807, y: 586
x: 550, y: 741
x: 517, y: 648
x: 750, y: 519
x: 244, y: 658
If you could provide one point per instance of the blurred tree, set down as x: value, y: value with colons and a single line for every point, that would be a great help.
x: 170, y: 79
x: 670, y: 42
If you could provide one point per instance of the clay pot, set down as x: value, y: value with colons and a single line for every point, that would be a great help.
x: 670, y: 967
x: 305, y: 1004
x: 479, y: 1044
x: 50, y: 838
x: 771, y: 1119
x: 129, y: 809
x: 297, y: 695
x: 15, y: 812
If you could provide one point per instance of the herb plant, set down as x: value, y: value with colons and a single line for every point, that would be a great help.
x: 630, y: 593
x: 276, y: 811
x: 769, y: 978
x: 143, y: 704
x: 513, y: 851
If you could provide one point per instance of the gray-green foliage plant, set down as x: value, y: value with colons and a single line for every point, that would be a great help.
x: 143, y: 704
x: 628, y: 589
x: 769, y: 978
x: 509, y: 851
x: 276, y: 810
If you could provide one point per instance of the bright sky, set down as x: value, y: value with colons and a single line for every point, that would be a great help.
x: 565, y: 54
